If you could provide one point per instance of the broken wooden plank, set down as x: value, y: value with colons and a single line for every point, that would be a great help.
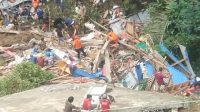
x: 103, y: 27
x: 93, y: 42
x: 107, y: 66
x: 178, y: 62
x: 104, y: 46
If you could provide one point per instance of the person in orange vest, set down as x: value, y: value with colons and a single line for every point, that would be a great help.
x: 77, y: 46
x: 113, y: 37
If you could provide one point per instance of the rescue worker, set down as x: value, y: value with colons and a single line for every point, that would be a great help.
x: 87, y: 103
x: 104, y: 103
x: 77, y: 46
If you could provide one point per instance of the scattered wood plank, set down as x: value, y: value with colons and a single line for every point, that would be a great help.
x: 142, y: 53
x: 9, y: 32
x: 59, y: 77
x: 180, y: 90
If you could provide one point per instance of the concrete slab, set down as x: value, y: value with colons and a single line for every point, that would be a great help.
x: 51, y: 98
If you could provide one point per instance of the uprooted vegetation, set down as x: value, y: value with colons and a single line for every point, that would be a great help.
x: 23, y: 77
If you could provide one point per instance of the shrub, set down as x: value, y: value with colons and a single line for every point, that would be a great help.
x: 25, y: 76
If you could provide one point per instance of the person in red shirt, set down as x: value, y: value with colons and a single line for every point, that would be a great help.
x: 78, y: 46
x: 104, y: 103
x: 159, y: 77
x: 87, y: 103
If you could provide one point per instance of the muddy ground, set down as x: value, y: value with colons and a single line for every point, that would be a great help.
x: 7, y: 40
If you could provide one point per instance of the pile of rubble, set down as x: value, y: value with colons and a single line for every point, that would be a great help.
x: 117, y: 62
x: 128, y: 62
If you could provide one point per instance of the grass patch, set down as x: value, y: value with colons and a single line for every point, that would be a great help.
x: 2, y: 61
x: 25, y: 76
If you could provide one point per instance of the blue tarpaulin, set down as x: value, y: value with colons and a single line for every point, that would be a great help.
x: 138, y: 71
x: 81, y: 73
x: 171, y: 55
x: 150, y: 68
x: 177, y: 76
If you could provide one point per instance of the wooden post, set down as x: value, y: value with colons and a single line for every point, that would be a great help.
x: 96, y: 61
x: 49, y: 19
x: 104, y: 47
x: 107, y: 66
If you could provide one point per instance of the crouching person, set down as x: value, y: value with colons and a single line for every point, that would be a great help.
x: 78, y: 46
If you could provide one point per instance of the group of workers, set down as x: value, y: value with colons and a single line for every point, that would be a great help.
x: 104, y: 104
x: 73, y: 34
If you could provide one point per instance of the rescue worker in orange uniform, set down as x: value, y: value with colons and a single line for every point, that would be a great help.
x: 113, y: 37
x: 77, y: 46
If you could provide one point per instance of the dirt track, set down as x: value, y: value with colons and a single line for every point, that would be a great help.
x: 7, y: 40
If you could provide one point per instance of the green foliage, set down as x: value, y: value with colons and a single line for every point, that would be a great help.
x: 184, y: 19
x: 143, y: 85
x: 25, y: 76
x: 184, y: 27
x: 176, y: 23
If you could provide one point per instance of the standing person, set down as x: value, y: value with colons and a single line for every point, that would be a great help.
x: 87, y: 103
x: 69, y: 106
x: 40, y: 15
x: 104, y: 103
x: 159, y: 77
x: 16, y: 21
x: 60, y: 34
x: 77, y: 46
x: 45, y: 22
x: 72, y: 30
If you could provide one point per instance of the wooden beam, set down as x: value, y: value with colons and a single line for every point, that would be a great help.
x: 93, y: 42
x: 180, y: 61
x: 142, y: 53
x: 107, y: 66
x: 103, y: 27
